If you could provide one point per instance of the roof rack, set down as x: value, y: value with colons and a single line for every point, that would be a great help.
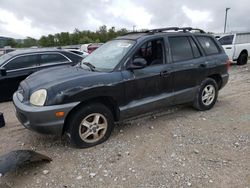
x: 184, y: 29
x: 192, y: 29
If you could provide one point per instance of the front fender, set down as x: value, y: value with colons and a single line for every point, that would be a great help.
x: 81, y: 94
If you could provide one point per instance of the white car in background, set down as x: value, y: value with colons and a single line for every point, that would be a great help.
x: 236, y: 46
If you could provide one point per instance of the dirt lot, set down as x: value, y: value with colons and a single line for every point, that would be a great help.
x: 177, y: 147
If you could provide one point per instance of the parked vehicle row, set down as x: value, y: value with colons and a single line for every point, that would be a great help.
x: 236, y: 46
x: 128, y: 76
x: 17, y: 65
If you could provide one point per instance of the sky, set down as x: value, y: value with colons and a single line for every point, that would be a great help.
x: 34, y: 18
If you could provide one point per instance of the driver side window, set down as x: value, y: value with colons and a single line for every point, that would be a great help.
x: 152, y: 52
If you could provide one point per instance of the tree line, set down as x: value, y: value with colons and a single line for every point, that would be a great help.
x: 103, y: 34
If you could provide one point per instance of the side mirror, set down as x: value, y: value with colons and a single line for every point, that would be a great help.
x: 138, y: 63
x: 3, y: 72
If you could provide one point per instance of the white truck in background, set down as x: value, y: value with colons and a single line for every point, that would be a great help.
x: 236, y: 46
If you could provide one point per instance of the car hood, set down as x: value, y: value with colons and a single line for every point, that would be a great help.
x: 49, y: 77
x: 60, y: 81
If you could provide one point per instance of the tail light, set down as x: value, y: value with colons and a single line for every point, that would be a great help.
x: 229, y: 63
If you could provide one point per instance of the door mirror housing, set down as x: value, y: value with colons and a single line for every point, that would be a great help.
x: 3, y: 72
x: 138, y: 63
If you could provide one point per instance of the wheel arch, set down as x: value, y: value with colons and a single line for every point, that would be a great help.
x: 243, y: 52
x: 217, y: 78
x: 105, y: 100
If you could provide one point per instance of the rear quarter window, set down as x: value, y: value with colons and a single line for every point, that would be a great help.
x: 208, y: 44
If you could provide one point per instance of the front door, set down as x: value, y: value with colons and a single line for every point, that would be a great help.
x: 148, y: 88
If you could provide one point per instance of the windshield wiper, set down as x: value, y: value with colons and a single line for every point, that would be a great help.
x: 92, y: 67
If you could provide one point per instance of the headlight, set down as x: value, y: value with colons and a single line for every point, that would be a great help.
x: 38, y: 98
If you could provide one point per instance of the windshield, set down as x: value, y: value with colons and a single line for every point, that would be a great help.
x: 109, y: 55
x: 3, y: 58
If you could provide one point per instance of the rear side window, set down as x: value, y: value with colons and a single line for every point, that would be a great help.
x: 22, y: 62
x: 180, y: 48
x: 47, y: 59
x: 226, y: 40
x: 196, y: 51
x: 208, y: 44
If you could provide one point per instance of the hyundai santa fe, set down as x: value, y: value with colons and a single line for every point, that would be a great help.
x: 131, y: 75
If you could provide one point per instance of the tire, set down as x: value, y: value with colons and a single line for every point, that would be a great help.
x: 208, y: 88
x: 86, y: 129
x: 242, y: 60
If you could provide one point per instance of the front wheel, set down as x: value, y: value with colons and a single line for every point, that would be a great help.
x: 207, y: 95
x: 90, y: 125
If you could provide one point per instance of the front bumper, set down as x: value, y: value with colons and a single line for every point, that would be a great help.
x: 42, y: 119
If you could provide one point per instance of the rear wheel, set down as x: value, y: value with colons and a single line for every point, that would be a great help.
x: 90, y: 125
x: 242, y: 60
x: 207, y: 95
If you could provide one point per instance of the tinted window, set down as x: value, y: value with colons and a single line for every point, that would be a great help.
x: 226, y: 40
x: 52, y: 58
x: 152, y: 52
x: 196, y: 51
x: 208, y: 44
x: 180, y: 48
x: 22, y: 62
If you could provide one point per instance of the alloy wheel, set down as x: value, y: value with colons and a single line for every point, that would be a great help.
x: 93, y: 128
x: 208, y: 95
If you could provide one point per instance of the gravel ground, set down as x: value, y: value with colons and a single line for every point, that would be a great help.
x: 177, y: 147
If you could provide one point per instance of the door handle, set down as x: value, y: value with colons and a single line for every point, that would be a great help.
x: 164, y: 73
x: 228, y: 48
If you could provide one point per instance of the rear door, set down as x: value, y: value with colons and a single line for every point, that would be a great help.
x: 188, y: 66
x: 214, y: 54
x: 18, y: 68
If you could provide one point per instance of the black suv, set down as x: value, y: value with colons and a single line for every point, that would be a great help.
x: 17, y: 65
x: 128, y: 76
